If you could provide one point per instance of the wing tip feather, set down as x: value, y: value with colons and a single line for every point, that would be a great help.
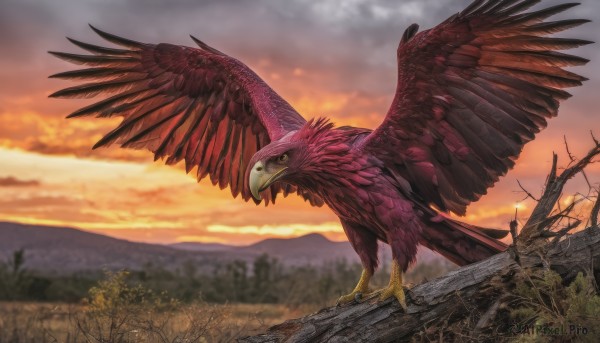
x: 56, y: 76
x: 54, y: 95
x: 72, y: 115
x: 99, y: 144
x: 56, y: 53
x: 116, y: 39
x: 205, y: 46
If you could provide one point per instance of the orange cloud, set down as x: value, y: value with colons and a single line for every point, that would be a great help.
x: 36, y: 132
x: 11, y: 181
x: 344, y: 71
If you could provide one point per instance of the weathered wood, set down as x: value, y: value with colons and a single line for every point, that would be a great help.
x: 469, y: 291
x: 595, y: 210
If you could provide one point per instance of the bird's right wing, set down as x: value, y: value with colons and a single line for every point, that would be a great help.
x: 182, y: 103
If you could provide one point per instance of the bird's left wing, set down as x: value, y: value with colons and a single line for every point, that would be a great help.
x: 471, y: 92
x: 182, y: 103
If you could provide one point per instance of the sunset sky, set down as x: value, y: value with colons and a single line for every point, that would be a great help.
x: 327, y: 58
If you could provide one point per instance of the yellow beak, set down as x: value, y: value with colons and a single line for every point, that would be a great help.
x: 260, y: 179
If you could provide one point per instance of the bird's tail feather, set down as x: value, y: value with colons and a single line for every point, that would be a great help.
x: 460, y: 242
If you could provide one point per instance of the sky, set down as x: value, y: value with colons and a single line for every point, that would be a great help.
x: 331, y: 58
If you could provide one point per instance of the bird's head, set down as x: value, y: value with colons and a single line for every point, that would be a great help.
x: 288, y: 159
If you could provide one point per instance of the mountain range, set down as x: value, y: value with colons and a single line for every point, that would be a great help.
x: 64, y: 250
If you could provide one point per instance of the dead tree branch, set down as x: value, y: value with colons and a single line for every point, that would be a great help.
x: 595, y: 209
x: 469, y: 291
x: 541, y: 218
x: 529, y: 195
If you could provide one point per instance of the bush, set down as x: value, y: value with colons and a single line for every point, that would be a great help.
x: 118, y: 313
x: 549, y: 311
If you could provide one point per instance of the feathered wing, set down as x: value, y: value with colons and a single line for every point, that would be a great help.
x: 471, y: 92
x: 182, y: 103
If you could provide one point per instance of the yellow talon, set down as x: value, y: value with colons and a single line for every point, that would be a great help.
x: 361, y: 289
x: 395, y: 286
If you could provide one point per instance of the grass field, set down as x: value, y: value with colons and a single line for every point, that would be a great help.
x: 47, y: 322
x: 155, y: 305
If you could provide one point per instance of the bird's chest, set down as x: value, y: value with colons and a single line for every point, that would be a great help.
x: 376, y: 205
x: 348, y: 206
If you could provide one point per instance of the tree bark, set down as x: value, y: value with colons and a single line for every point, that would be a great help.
x: 473, y: 292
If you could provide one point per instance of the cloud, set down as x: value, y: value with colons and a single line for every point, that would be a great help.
x: 37, y: 132
x: 159, y: 195
x: 11, y: 181
x: 346, y: 55
x: 335, y: 59
x: 273, y: 230
x: 39, y: 204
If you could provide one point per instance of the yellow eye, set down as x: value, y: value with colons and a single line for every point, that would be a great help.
x: 283, y: 158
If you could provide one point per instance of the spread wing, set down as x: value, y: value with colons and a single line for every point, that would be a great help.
x: 471, y: 92
x: 182, y: 103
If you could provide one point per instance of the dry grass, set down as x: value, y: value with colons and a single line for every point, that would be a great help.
x: 116, y: 311
x: 41, y: 323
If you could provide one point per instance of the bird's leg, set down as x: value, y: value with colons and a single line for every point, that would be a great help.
x: 360, y: 290
x: 395, y: 286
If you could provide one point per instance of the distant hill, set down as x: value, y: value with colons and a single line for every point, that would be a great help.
x: 309, y: 249
x: 203, y: 247
x: 61, y: 249
x: 64, y: 250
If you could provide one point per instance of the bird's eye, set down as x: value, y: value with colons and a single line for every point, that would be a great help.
x: 283, y: 158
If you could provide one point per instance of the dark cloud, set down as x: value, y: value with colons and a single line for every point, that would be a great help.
x: 11, y: 181
x: 345, y: 46
x: 350, y: 43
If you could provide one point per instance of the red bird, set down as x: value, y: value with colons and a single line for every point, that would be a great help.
x: 471, y: 92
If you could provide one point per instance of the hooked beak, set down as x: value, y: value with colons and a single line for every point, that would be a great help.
x: 260, y: 179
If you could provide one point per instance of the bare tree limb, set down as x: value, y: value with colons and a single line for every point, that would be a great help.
x: 595, y: 209
x: 529, y: 195
x: 571, y: 157
x: 594, y: 138
x: 539, y: 220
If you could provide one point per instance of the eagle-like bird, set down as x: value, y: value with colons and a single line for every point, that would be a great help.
x: 470, y: 93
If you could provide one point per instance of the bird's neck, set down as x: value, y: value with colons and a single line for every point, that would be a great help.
x: 335, y: 163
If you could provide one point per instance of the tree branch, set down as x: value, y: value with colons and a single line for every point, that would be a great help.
x: 469, y: 292
x: 529, y: 195
x: 539, y: 219
x: 595, y: 209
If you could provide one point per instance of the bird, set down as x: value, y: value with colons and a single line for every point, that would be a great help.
x: 471, y: 92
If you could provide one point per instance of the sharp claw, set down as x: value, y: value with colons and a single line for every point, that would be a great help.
x: 401, y: 300
x: 358, y: 297
x: 397, y: 293
x: 357, y: 294
x: 395, y: 289
x: 345, y: 299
